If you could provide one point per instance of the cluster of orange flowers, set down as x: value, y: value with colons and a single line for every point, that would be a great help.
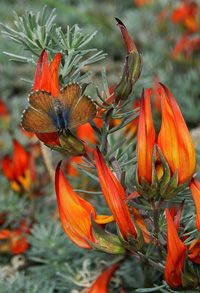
x: 187, y: 15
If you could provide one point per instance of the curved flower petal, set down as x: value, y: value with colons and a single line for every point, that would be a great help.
x: 16, y: 166
x: 174, y: 139
x: 145, y: 139
x: 194, y: 251
x: 75, y: 213
x: 101, y: 283
x: 175, y: 255
x: 114, y: 195
x: 21, y: 158
x: 47, y: 82
x: 195, y: 189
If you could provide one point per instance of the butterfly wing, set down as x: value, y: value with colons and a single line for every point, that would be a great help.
x: 69, y: 96
x: 84, y: 111
x: 40, y: 116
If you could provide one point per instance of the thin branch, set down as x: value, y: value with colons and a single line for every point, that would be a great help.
x: 48, y: 161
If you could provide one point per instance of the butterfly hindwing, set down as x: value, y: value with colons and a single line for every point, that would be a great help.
x: 34, y: 121
x: 84, y: 111
x: 69, y: 96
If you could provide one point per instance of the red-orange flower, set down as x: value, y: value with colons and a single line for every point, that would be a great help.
x: 16, y: 168
x: 109, y: 99
x: 195, y: 189
x: 175, y: 255
x: 4, y: 115
x: 186, y: 13
x: 46, y: 78
x: 145, y: 139
x: 174, y: 139
x: 75, y: 213
x: 175, y: 149
x: 142, y: 2
x: 114, y: 195
x: 186, y: 46
x: 194, y: 251
x: 17, y: 241
x: 101, y: 283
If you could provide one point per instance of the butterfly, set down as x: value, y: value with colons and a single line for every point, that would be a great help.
x: 48, y: 114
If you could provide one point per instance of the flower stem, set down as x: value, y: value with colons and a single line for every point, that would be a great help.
x: 154, y: 264
x: 48, y: 161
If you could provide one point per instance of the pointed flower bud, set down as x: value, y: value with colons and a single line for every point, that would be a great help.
x: 145, y: 175
x: 132, y: 66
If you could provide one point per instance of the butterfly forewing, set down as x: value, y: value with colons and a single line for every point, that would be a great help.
x: 34, y: 121
x: 43, y: 102
x: 69, y: 96
x: 84, y: 111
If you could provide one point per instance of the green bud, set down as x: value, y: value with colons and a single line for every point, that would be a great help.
x: 189, y: 278
x: 169, y: 187
x: 146, y: 189
x: 70, y: 145
x: 129, y: 75
x: 132, y: 243
x: 107, y: 242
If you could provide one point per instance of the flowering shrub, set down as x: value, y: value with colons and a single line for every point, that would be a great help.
x: 132, y: 175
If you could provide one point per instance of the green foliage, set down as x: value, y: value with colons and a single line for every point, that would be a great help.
x: 39, y: 32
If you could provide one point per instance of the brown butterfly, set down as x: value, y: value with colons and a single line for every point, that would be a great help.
x: 48, y: 114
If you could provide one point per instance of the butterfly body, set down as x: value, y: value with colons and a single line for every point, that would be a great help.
x: 48, y: 114
x: 61, y: 115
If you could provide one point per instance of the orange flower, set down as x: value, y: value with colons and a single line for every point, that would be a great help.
x: 75, y: 213
x: 175, y: 150
x: 175, y: 255
x: 142, y: 2
x: 17, y: 242
x: 145, y: 139
x: 195, y: 189
x: 114, y: 195
x: 194, y: 251
x: 187, y: 14
x: 186, y: 46
x: 16, y: 168
x: 4, y: 115
x: 109, y: 99
x: 101, y: 283
x: 47, y: 80
x: 174, y: 139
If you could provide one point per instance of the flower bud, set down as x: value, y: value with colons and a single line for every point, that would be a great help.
x: 129, y: 75
x: 132, y: 66
x: 107, y: 242
x: 70, y: 145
